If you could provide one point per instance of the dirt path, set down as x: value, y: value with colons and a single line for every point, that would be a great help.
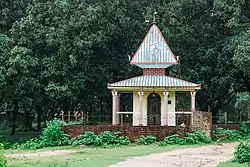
x: 40, y: 154
x: 206, y: 156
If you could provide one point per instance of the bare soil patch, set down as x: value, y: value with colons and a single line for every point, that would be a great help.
x: 206, y: 156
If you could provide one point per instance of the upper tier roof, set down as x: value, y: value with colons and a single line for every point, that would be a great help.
x: 154, y: 51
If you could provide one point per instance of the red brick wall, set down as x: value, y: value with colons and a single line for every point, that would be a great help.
x: 153, y: 71
x: 133, y: 132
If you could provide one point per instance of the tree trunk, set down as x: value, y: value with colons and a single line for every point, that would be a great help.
x: 14, y: 118
x: 26, y: 120
x: 38, y: 120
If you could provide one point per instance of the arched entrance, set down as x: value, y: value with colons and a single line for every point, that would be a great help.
x: 154, y: 109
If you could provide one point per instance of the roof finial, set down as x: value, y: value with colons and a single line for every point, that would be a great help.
x: 154, y: 19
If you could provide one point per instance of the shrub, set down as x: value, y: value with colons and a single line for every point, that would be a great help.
x: 88, y: 138
x: 104, y: 139
x: 196, y: 137
x: 245, y: 128
x: 108, y: 138
x: 3, y: 161
x: 146, y: 140
x: 242, y: 153
x: 174, y: 139
x: 227, y: 135
x: 31, y: 144
x: 53, y: 135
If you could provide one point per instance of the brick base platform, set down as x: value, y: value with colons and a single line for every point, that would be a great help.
x: 133, y: 132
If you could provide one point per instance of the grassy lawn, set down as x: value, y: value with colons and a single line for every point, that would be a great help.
x: 231, y: 164
x: 17, y: 151
x: 91, y: 157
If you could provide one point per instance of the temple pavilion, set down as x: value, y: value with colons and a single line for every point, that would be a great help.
x: 154, y: 92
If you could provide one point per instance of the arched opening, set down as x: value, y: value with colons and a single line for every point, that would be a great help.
x: 154, y: 109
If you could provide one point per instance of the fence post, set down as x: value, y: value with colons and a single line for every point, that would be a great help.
x: 68, y: 116
x: 87, y: 117
x: 225, y: 117
x: 121, y: 119
x: 240, y: 117
x: 63, y: 116
x: 76, y: 115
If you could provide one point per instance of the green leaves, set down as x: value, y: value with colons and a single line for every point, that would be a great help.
x: 241, y: 50
x: 104, y: 139
x: 53, y: 135
x: 62, y: 54
x: 146, y: 140
x: 3, y: 161
x: 242, y: 153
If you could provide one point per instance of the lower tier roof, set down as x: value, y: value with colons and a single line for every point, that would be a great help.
x: 155, y: 81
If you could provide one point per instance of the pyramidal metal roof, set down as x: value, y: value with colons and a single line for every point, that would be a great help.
x: 154, y: 51
x: 159, y: 81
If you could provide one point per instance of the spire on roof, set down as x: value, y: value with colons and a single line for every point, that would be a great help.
x: 154, y: 51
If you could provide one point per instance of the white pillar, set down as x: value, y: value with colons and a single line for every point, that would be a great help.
x: 165, y: 110
x: 192, y: 106
x: 114, y: 107
x: 140, y: 96
x: 192, y: 101
x: 118, y: 109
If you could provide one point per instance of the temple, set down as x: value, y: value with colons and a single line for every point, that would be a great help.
x: 154, y: 92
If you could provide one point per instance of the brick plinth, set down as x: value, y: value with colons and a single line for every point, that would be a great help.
x: 133, y: 132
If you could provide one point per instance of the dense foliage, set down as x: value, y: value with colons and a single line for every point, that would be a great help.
x: 3, y: 161
x: 104, y: 139
x: 233, y: 135
x: 146, y: 140
x: 60, y: 55
x: 227, y: 135
x: 189, y: 139
x: 51, y: 136
x: 242, y: 153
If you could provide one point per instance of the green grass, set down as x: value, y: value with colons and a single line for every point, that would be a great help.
x: 232, y: 164
x: 17, y: 151
x: 92, y: 157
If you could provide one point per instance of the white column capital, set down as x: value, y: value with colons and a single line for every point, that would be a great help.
x: 140, y: 93
x: 165, y: 93
x: 114, y: 92
x: 192, y: 93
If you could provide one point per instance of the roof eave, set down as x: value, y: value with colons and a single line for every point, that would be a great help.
x: 156, y: 87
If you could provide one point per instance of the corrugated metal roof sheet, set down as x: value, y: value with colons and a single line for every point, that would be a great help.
x: 153, y: 49
x: 154, y: 81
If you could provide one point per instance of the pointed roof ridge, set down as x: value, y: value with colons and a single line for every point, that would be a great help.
x: 160, y: 54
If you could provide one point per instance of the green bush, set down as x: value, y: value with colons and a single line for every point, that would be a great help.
x: 245, y: 128
x: 242, y: 153
x: 108, y: 138
x: 88, y: 138
x: 53, y: 135
x: 227, y: 135
x: 3, y: 160
x: 31, y: 144
x: 171, y: 140
x: 196, y: 137
x: 146, y: 140
x: 104, y: 139
x: 189, y: 139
